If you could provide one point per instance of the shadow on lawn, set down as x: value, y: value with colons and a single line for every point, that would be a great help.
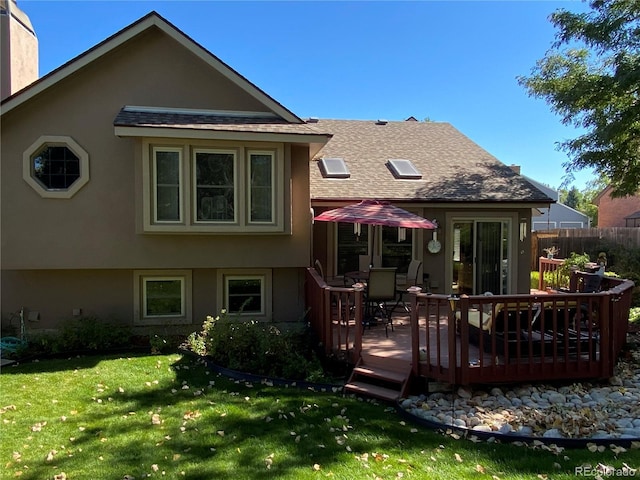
x: 229, y: 429
x: 59, y: 362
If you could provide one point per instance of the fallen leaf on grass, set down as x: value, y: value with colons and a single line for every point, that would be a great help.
x: 7, y: 408
x: 457, y: 457
x: 38, y: 426
x: 50, y: 455
x: 269, y: 461
x: 155, y: 419
x: 316, y: 467
x: 617, y: 449
x: 480, y: 469
x: 62, y: 476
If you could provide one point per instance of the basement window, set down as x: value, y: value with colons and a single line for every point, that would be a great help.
x: 334, y: 168
x: 403, y: 169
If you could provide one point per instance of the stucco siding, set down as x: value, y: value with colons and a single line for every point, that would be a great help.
x: 98, y: 226
x: 109, y: 296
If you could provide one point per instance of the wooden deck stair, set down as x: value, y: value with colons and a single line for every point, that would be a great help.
x: 379, y: 377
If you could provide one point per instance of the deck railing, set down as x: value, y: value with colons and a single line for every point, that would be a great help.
x: 335, y: 314
x: 489, y: 339
x: 505, y: 338
x: 548, y: 271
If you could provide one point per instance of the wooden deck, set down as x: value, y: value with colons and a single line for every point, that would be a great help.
x: 541, y: 336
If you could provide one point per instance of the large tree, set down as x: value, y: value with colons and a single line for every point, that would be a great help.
x: 591, y: 78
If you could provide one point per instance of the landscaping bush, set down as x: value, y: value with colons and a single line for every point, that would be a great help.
x: 77, y: 335
x: 258, y: 347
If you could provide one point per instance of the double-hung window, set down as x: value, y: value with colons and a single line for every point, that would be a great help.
x: 261, y: 181
x: 215, y: 187
x: 167, y: 175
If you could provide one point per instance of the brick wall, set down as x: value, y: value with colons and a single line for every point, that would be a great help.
x: 611, y: 211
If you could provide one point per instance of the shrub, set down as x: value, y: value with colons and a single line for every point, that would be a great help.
x: 76, y: 335
x: 257, y: 347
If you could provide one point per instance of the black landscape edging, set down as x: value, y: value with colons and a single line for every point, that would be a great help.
x: 263, y: 379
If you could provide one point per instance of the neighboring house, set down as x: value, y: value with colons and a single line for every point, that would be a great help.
x: 557, y: 215
x: 617, y: 212
x: 483, y: 208
x: 148, y: 182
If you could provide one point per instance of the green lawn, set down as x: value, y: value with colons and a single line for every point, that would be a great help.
x: 168, y: 417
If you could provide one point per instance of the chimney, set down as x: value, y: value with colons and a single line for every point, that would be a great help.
x: 18, y: 49
x: 515, y: 168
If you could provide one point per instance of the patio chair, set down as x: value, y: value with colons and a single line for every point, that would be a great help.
x: 364, y: 261
x: 411, y: 280
x: 381, y: 290
x: 332, y: 282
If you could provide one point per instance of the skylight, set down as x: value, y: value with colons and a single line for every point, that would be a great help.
x: 403, y: 169
x: 334, y: 168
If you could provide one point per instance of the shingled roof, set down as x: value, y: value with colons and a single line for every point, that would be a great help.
x: 453, y: 168
x: 223, y: 121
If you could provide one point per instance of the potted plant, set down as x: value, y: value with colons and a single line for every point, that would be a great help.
x: 551, y: 251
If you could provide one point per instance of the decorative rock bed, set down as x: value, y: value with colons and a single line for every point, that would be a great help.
x: 595, y: 412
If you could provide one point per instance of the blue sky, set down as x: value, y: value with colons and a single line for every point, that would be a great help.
x: 452, y: 61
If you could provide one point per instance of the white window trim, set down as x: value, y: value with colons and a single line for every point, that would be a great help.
x: 282, y: 191
x: 194, y: 182
x: 155, y: 184
x: 140, y: 277
x: 62, y: 141
x: 265, y: 274
x: 275, y: 186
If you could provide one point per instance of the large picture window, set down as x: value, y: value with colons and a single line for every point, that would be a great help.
x: 215, y: 186
x: 167, y: 173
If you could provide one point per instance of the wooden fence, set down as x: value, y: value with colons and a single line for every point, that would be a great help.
x: 581, y: 240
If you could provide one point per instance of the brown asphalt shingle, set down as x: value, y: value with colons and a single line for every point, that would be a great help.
x: 454, y: 169
x: 196, y: 121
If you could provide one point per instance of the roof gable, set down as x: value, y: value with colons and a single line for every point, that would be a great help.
x: 151, y: 20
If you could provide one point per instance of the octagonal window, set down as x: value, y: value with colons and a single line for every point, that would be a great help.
x: 56, y: 167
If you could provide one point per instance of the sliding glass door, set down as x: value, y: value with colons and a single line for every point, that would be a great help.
x: 480, y: 257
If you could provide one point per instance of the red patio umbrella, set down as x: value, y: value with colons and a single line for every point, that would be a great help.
x: 374, y: 212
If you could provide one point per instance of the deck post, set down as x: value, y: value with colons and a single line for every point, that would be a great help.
x: 606, y: 334
x: 415, y: 334
x: 464, y: 339
x: 326, y: 319
x: 357, y: 343
x: 451, y: 331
